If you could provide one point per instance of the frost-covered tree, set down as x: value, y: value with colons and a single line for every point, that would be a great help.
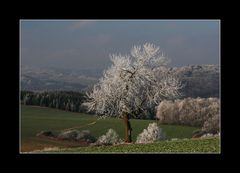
x: 132, y: 85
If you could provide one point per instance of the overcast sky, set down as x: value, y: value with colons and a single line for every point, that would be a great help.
x: 87, y: 44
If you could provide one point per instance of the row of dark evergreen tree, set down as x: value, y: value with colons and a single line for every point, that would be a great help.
x: 65, y: 100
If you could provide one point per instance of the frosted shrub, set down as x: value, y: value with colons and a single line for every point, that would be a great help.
x: 83, y: 134
x: 210, y: 135
x: 68, y: 135
x: 77, y: 135
x: 151, y: 134
x: 111, y: 137
x: 211, y: 125
x: 86, y: 136
x: 164, y: 114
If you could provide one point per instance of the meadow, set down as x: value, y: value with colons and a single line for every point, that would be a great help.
x: 35, y: 119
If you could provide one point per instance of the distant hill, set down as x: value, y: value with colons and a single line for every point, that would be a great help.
x: 41, y: 79
x: 199, y: 80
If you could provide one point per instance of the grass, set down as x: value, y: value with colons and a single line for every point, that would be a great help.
x: 211, y: 145
x: 36, y: 119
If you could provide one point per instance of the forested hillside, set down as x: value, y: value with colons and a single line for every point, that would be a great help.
x: 65, y: 100
x: 199, y: 80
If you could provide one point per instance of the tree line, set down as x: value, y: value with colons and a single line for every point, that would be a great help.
x: 64, y: 100
x: 197, y: 112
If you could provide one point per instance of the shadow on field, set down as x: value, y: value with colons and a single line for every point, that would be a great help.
x: 41, y: 142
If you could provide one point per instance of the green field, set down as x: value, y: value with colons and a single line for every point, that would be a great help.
x: 36, y: 119
x: 211, y: 145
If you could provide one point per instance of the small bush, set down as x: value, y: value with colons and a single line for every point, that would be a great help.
x: 151, y: 134
x: 210, y: 135
x: 110, y: 138
x: 211, y: 125
x: 86, y: 136
x: 68, y: 135
x: 77, y: 135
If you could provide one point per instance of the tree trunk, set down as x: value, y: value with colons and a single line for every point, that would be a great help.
x: 128, y: 129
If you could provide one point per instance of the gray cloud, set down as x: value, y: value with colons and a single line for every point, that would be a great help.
x: 76, y: 25
x: 88, y: 43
